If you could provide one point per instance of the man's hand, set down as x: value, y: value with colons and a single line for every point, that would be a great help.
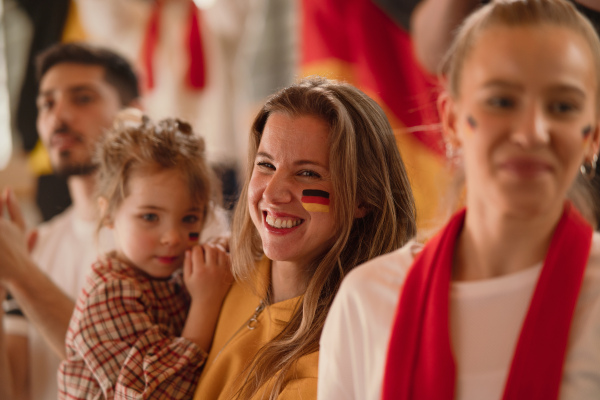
x: 15, y: 261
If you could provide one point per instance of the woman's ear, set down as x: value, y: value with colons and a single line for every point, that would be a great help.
x: 595, y: 142
x: 103, y: 208
x: 447, y: 111
x: 360, y: 211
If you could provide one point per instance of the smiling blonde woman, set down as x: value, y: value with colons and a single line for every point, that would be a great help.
x: 326, y: 190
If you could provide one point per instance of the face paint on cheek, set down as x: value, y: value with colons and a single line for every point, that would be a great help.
x: 194, y: 236
x: 471, y: 125
x: 586, y: 132
x: 315, y: 200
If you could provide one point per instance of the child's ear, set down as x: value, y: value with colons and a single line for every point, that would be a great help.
x: 361, y: 210
x: 104, y: 217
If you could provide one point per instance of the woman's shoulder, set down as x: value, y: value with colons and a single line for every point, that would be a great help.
x: 594, y: 260
x: 388, y: 270
x: 591, y: 282
x: 374, y: 286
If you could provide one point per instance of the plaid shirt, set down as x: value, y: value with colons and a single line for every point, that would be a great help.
x: 123, y: 342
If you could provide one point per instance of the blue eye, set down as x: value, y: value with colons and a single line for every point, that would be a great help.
x: 309, y: 174
x: 561, y: 107
x: 190, y: 219
x: 501, y: 102
x: 149, y: 217
x: 264, y: 164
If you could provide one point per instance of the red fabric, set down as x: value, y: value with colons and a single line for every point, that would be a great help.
x: 196, y: 75
x: 315, y: 199
x: 420, y: 364
x: 149, y: 45
x: 379, y: 52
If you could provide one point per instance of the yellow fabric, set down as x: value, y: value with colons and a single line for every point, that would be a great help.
x: 235, y: 345
x: 39, y: 160
x: 73, y: 30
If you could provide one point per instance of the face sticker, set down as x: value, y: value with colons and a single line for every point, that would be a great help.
x: 472, y: 125
x: 586, y: 131
x: 194, y: 236
x: 315, y: 200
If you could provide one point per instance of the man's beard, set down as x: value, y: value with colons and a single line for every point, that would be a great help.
x: 66, y: 168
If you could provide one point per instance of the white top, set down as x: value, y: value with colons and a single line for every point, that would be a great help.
x: 485, y: 322
x: 65, y: 250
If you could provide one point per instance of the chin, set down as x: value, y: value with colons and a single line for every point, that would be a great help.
x: 68, y: 170
x: 532, y: 206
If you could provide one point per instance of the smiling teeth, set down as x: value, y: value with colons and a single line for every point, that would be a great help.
x: 282, y: 223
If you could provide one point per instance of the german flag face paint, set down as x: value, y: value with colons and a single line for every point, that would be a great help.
x: 586, y: 131
x: 315, y: 200
x: 194, y: 236
x: 471, y: 125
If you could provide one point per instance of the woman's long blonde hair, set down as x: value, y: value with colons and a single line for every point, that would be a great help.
x: 366, y: 169
x: 518, y: 13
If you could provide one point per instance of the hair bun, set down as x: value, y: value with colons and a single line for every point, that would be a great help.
x: 130, y: 118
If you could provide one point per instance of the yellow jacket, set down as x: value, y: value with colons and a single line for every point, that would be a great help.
x: 235, y: 344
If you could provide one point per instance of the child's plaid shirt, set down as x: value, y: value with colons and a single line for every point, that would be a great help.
x: 123, y: 339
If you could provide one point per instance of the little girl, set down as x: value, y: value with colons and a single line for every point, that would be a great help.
x: 137, y: 331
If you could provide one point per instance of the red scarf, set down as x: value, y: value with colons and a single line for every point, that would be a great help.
x: 420, y: 364
x: 196, y: 74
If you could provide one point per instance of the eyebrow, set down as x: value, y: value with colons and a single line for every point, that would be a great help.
x: 559, y: 88
x: 157, y: 208
x: 72, y: 89
x: 297, y: 162
x: 503, y: 84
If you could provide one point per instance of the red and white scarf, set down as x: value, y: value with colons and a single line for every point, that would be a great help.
x: 420, y: 364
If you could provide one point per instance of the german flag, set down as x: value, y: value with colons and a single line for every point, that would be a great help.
x: 367, y: 43
x: 315, y: 200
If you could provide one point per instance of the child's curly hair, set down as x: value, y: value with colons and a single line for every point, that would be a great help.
x: 136, y: 143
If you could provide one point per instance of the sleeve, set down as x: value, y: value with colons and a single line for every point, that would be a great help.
x: 303, y: 382
x: 128, y: 355
x: 337, y: 362
x: 300, y: 389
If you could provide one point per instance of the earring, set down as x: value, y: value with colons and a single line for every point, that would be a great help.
x: 589, y: 171
x: 453, y: 153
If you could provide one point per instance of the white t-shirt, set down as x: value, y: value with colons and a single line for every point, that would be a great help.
x: 65, y: 250
x: 485, y: 322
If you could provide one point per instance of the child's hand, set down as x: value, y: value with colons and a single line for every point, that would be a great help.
x: 207, y: 276
x: 207, y: 273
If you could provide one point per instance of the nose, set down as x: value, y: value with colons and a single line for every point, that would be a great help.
x: 278, y: 189
x: 171, y: 237
x: 56, y: 118
x: 533, y: 127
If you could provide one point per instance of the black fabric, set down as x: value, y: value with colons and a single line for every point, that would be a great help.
x: 52, y: 195
x: 48, y: 18
x: 398, y: 10
x: 592, y: 15
x: 11, y: 307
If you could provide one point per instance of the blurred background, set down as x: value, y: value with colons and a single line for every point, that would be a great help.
x: 247, y: 49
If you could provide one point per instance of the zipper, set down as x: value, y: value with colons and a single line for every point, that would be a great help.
x: 249, y: 324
